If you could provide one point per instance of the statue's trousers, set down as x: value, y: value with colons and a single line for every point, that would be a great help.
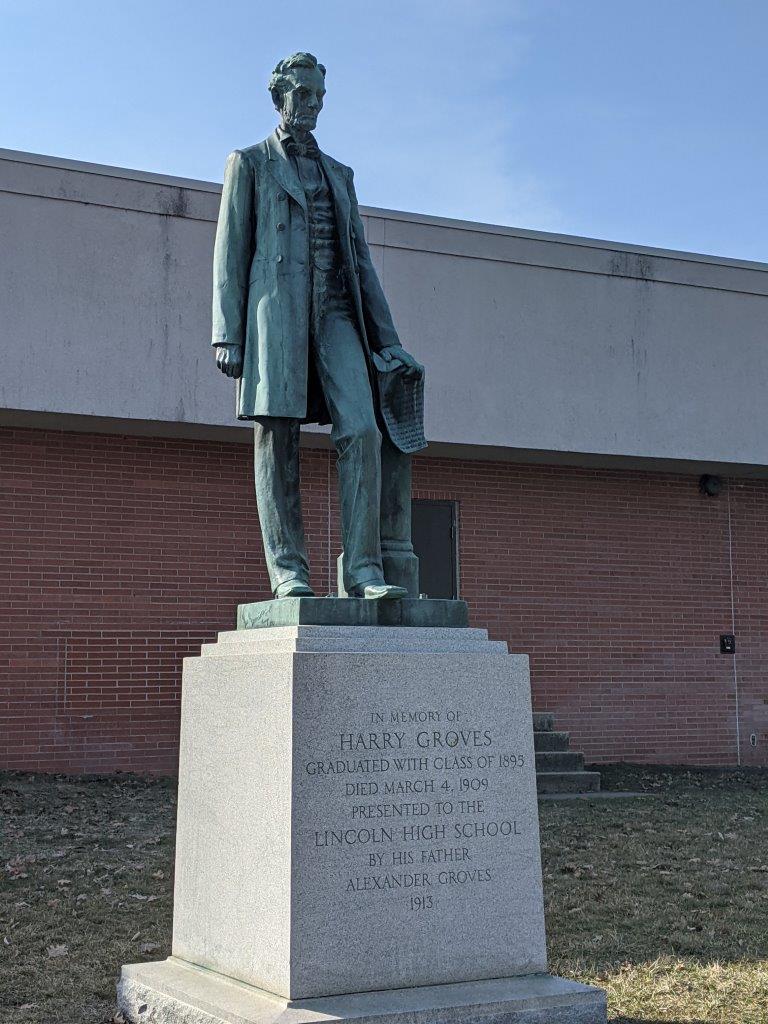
x: 343, y: 375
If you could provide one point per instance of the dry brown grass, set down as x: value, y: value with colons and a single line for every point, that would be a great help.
x: 86, y: 887
x: 663, y: 901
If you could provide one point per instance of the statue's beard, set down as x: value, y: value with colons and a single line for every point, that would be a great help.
x: 303, y: 122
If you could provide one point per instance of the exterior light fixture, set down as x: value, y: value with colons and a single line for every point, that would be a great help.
x: 710, y: 485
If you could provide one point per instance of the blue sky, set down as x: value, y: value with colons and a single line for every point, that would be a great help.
x: 639, y: 122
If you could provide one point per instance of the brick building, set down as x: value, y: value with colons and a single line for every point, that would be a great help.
x: 577, y: 392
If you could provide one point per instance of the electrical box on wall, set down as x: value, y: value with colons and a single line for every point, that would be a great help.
x: 727, y: 643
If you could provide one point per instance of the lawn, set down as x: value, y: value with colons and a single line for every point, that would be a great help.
x: 662, y: 900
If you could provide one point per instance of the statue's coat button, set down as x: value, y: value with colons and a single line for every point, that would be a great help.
x: 280, y: 259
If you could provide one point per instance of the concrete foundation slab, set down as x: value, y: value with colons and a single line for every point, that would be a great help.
x: 174, y: 992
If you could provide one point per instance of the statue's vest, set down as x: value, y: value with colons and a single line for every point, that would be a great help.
x: 323, y: 231
x: 324, y: 250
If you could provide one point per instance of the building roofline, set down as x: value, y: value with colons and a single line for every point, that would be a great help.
x: 214, y: 188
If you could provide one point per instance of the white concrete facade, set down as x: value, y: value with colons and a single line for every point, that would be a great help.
x: 538, y: 346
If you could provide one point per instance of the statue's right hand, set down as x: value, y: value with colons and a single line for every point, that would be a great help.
x: 229, y: 359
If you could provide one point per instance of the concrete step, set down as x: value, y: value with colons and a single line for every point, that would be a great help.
x: 568, y: 782
x: 551, y: 740
x: 558, y: 768
x: 559, y: 761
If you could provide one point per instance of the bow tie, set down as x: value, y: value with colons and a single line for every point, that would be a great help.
x: 309, y: 148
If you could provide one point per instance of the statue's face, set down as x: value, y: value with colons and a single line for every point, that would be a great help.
x: 302, y: 100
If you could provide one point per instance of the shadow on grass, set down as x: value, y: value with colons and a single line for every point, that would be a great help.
x: 656, y: 1020
x: 679, y: 876
x: 660, y: 1020
x: 656, y: 778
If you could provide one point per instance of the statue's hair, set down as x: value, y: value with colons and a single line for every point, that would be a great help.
x: 279, y: 79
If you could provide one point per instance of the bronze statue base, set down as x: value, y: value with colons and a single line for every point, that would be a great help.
x: 351, y: 611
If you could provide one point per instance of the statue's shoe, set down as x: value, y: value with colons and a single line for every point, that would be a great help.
x: 294, y: 588
x: 380, y: 592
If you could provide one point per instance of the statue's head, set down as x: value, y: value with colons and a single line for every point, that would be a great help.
x: 298, y: 87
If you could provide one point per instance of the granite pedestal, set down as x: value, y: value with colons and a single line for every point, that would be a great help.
x: 357, y: 835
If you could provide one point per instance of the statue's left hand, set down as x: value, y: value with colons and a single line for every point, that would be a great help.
x: 229, y: 359
x: 411, y: 368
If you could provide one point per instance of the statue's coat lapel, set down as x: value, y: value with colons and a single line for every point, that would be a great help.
x: 282, y: 170
x: 339, y: 189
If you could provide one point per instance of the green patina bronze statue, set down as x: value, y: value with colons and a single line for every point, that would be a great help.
x: 301, y: 321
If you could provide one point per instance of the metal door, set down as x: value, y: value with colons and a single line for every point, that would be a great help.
x: 434, y: 541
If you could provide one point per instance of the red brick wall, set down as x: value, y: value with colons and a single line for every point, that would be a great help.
x: 120, y: 555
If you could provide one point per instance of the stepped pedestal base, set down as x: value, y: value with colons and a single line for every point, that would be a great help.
x: 357, y: 833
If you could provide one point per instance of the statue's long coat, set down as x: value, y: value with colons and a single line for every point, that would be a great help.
x: 261, y: 279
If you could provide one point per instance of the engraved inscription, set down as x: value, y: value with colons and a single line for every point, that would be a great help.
x: 417, y: 793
